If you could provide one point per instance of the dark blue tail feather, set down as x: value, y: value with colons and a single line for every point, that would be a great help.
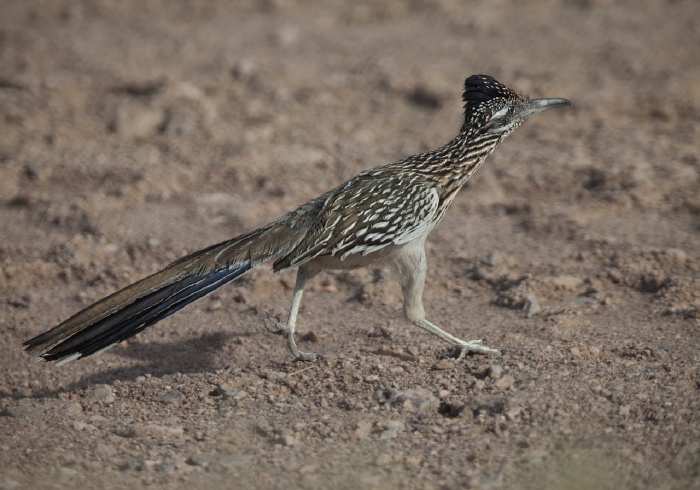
x: 142, y: 313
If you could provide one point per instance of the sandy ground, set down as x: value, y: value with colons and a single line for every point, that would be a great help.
x: 133, y: 132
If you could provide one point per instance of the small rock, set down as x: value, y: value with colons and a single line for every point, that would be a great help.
x: 615, y: 275
x: 137, y: 121
x: 23, y: 411
x: 264, y: 428
x: 530, y: 305
x: 309, y: 469
x: 285, y: 36
x: 105, y: 449
x: 244, y: 69
x: 383, y: 459
x: 444, y: 365
x: 363, y: 429
x: 233, y: 461
x: 274, y: 375
x: 8, y: 483
x: 65, y: 472
x: 388, y: 434
x: 685, y: 462
x: 495, y: 371
x: 419, y: 398
x: 494, y: 258
x: 505, y: 382
x: 148, y: 465
x: 566, y: 282
x: 288, y: 440
x: 215, y: 305
x: 154, y: 430
x: 512, y: 414
x: 69, y: 408
x: 100, y: 393
x: 171, y: 397
x: 676, y: 254
x: 234, y: 394
x: 200, y: 459
x: 395, y: 425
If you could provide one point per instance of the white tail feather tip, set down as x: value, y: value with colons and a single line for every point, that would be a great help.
x: 67, y: 359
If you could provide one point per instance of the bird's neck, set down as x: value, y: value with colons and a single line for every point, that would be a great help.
x: 457, y: 161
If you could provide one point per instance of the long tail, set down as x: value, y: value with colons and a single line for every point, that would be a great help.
x: 138, y: 306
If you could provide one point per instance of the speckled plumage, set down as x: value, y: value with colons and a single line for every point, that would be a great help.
x: 380, y: 217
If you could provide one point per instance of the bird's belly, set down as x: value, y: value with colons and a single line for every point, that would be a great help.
x: 354, y: 261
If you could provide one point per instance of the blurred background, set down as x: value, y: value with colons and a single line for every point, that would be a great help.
x: 132, y: 132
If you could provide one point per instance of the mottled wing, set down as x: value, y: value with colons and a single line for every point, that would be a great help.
x: 365, y: 215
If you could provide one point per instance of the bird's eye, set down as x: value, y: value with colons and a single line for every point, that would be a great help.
x: 504, y: 111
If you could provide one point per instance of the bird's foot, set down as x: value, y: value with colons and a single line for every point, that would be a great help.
x: 305, y: 356
x: 274, y: 325
x: 464, y: 348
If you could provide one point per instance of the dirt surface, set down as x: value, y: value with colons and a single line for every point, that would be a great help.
x: 133, y: 132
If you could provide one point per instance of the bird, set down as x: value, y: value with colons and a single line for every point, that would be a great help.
x: 380, y: 218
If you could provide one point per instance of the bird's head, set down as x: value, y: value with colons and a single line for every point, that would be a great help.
x: 491, y: 108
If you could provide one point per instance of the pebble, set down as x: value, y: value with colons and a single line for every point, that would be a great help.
x: 383, y: 459
x: 100, y: 393
x: 419, y: 398
x: 388, y: 434
x: 8, y: 483
x: 232, y: 461
x: 69, y: 408
x: 23, y: 411
x: 154, y: 430
x: 566, y: 282
x: 395, y: 425
x: 444, y: 365
x: 495, y: 371
x: 513, y: 413
x: 309, y: 469
x: 264, y: 428
x: 288, y: 440
x: 363, y: 429
x: 676, y: 254
x: 148, y: 465
x: 505, y: 382
x: 234, y: 394
x: 138, y: 121
x: 274, y: 375
x: 171, y: 397
x: 530, y: 305
x: 105, y: 449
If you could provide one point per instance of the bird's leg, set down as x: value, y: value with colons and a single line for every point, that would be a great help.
x: 288, y: 330
x: 462, y: 346
x: 410, y: 269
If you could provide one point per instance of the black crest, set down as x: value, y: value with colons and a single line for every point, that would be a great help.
x: 481, y: 89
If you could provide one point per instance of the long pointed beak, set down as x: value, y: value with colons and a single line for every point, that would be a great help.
x: 541, y: 105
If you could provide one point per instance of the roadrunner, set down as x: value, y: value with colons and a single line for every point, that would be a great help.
x: 381, y: 217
